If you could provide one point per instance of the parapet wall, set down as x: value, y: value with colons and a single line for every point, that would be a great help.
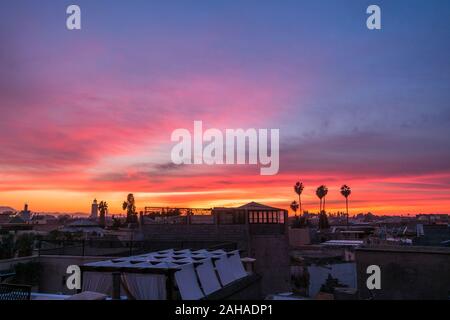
x: 197, y: 232
x: 406, y: 272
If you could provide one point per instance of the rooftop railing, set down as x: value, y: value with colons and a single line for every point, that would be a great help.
x: 117, y: 248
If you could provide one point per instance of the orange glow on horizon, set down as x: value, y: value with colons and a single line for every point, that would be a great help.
x: 382, y: 201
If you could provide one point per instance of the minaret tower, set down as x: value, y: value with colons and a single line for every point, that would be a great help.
x: 94, y: 210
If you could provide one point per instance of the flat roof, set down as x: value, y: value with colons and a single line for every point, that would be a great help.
x: 407, y: 249
x: 352, y: 231
x: 352, y: 243
x: 160, y: 260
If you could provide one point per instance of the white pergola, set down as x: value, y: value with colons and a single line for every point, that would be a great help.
x: 152, y: 276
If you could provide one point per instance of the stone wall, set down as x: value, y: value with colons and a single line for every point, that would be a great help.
x: 197, y: 232
x: 299, y: 236
x: 406, y: 272
x: 272, y: 262
x: 53, y: 276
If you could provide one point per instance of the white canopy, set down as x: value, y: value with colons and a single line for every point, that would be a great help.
x: 196, y: 275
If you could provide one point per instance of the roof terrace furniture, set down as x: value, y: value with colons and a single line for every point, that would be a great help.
x: 223, y: 269
x: 143, y: 287
x: 154, y: 276
x: 14, y: 292
x: 186, y: 280
x: 208, y: 277
x: 230, y: 267
x: 236, y: 265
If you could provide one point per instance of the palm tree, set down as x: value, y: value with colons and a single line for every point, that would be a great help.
x: 294, y: 207
x: 130, y: 206
x: 325, y: 192
x: 298, y: 190
x: 320, y: 196
x: 103, y: 207
x: 346, y: 191
x: 321, y: 193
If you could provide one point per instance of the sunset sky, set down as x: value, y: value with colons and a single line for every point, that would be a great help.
x: 89, y: 114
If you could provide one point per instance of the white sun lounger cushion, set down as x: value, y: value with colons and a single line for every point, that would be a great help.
x: 236, y: 265
x: 208, y: 277
x: 223, y: 269
x: 187, y: 283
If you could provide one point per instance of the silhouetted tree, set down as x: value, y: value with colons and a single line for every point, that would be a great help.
x: 103, y: 208
x: 325, y: 192
x: 331, y: 284
x: 116, y: 223
x: 298, y: 190
x: 346, y: 191
x: 294, y: 207
x: 130, y: 207
x: 24, y: 245
x: 321, y: 193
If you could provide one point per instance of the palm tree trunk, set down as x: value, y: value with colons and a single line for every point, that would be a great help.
x: 346, y: 205
x: 323, y: 204
x: 300, y: 203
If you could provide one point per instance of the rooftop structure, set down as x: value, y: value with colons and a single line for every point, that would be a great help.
x: 84, y: 226
x: 432, y: 235
x: 94, y: 210
x: 259, y: 230
x: 168, y: 274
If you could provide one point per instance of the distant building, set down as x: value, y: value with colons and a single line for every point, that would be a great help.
x: 94, y: 210
x: 432, y: 235
x: 25, y: 214
x: 13, y: 223
x: 44, y: 223
x: 5, y: 217
x: 86, y: 227
x: 43, y: 219
x: 433, y: 218
x: 6, y: 210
